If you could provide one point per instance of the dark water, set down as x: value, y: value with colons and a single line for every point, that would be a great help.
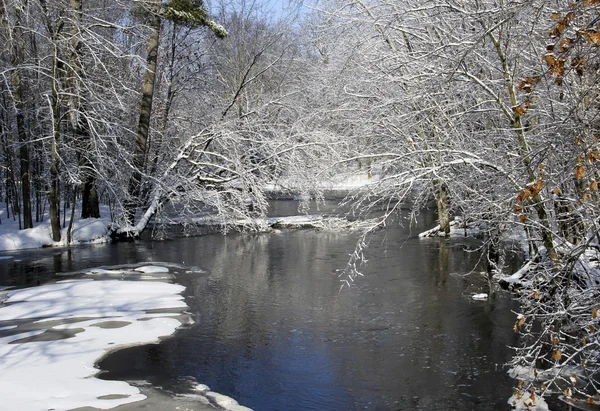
x: 275, y: 332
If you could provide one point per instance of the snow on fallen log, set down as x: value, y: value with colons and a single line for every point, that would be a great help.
x: 458, y: 228
x: 514, y: 281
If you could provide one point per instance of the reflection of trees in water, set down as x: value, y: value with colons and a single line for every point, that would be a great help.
x: 274, y: 326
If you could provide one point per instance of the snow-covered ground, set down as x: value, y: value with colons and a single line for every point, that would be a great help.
x: 88, y: 231
x: 57, y: 332
x: 52, y: 335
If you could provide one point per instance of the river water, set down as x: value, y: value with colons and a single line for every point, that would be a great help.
x: 275, y: 331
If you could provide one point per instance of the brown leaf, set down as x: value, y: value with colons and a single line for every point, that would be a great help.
x: 519, y: 110
x: 591, y: 401
x: 579, y: 172
x: 555, y: 16
x: 593, y: 37
x: 517, y: 208
x: 549, y: 59
x: 594, y: 185
x: 558, y: 29
x: 556, y: 355
x: 558, y: 68
x: 522, y: 218
x: 594, y: 312
x: 565, y: 44
x: 524, y: 194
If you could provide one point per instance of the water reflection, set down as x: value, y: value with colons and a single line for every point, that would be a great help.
x: 275, y: 332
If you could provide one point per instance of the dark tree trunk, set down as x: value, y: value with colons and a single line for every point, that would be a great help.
x: 141, y: 142
x: 54, y: 194
x: 90, y: 207
x: 24, y: 162
x: 441, y: 199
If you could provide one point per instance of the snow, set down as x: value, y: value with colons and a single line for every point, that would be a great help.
x: 52, y: 335
x: 480, y: 296
x: 152, y: 269
x: 457, y: 229
x: 52, y: 367
x: 89, y: 230
x: 528, y: 402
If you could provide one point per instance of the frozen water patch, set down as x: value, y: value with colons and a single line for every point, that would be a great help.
x: 53, y: 367
x: 148, y: 269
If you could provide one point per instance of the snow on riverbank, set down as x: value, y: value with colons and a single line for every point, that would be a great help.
x: 90, y: 230
x: 62, y: 329
x: 52, y: 335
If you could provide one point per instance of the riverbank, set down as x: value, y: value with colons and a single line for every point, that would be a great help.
x: 52, y: 336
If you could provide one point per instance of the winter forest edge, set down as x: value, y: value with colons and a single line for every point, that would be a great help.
x: 490, y: 108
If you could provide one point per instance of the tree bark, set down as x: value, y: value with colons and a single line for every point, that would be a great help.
x: 19, y: 89
x: 23, y: 153
x: 54, y: 194
x: 441, y: 199
x: 517, y: 126
x: 141, y: 142
x: 90, y: 206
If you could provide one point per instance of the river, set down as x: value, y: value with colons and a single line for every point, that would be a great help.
x: 275, y: 331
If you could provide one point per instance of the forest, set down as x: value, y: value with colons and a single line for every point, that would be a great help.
x: 163, y: 108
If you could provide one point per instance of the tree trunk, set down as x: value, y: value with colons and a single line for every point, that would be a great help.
x: 54, y: 194
x: 90, y: 207
x: 141, y: 142
x: 15, y: 37
x: 441, y: 199
x: 524, y: 150
x: 23, y: 153
x: 70, y: 228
